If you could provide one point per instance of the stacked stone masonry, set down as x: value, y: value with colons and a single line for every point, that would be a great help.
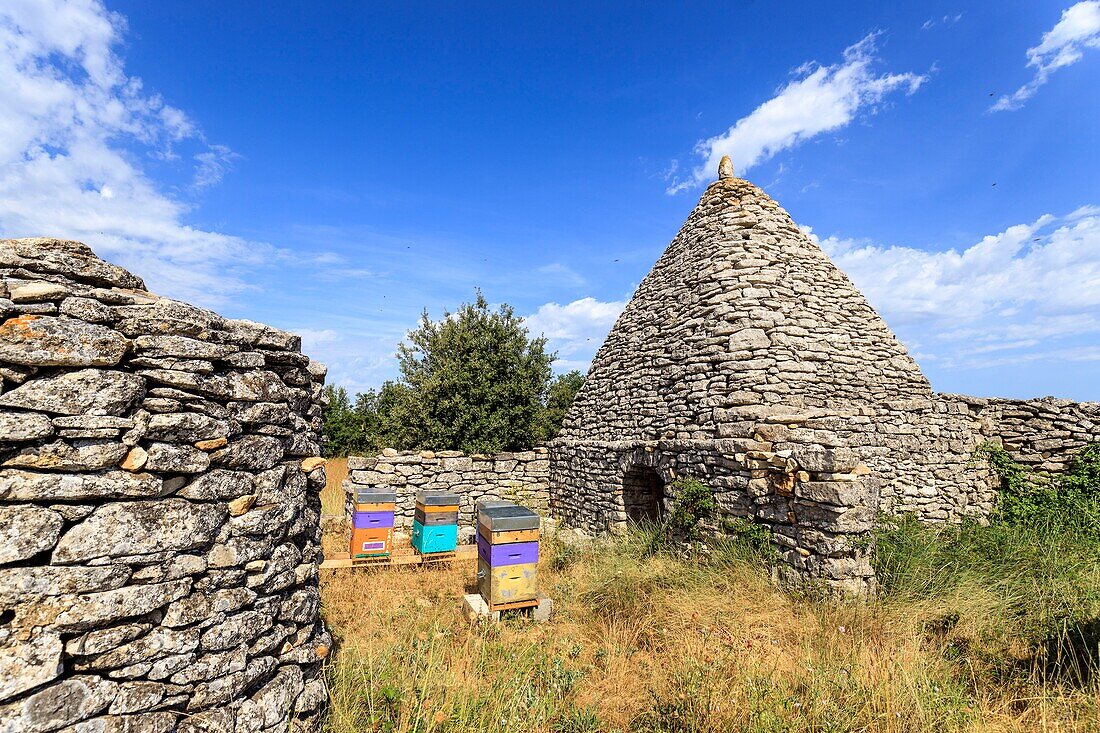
x: 522, y: 477
x: 159, y: 508
x: 747, y: 359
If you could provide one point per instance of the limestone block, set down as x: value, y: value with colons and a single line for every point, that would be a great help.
x: 88, y: 611
x: 252, y: 452
x: 140, y: 527
x: 88, y: 391
x: 28, y: 663
x: 186, y: 427
x: 47, y: 341
x: 173, y: 458
x: 18, y: 585
x: 26, y: 531
x: 80, y: 455
x: 23, y: 426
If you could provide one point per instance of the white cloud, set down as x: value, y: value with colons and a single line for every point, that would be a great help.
x: 73, y: 131
x: 212, y: 166
x: 315, y: 337
x: 945, y: 20
x: 819, y: 100
x: 1061, y: 46
x: 560, y: 274
x: 1029, y: 293
x: 575, y: 330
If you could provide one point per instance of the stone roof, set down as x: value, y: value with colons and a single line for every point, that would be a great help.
x: 743, y: 314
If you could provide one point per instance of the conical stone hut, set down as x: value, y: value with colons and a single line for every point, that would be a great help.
x: 746, y: 358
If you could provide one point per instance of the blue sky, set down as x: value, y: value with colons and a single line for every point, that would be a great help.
x: 334, y: 168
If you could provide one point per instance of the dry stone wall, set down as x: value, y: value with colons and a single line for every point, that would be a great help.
x: 159, y: 508
x: 1042, y: 434
x: 522, y: 477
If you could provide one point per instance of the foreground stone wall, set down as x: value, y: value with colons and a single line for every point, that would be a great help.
x: 522, y: 477
x: 159, y: 508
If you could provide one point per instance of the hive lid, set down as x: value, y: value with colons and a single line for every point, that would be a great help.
x: 508, y: 518
x: 437, y: 498
x: 374, y: 496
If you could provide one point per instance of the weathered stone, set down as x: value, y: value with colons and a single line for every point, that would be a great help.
x: 28, y: 663
x: 140, y: 527
x: 103, y: 558
x: 198, y: 606
x: 314, y: 462
x: 134, y: 697
x: 23, y: 426
x: 18, y: 585
x: 135, y: 459
x: 186, y: 427
x: 83, y: 612
x: 93, y: 422
x: 218, y: 720
x: 213, y: 386
x: 141, y: 723
x: 27, y: 530
x: 158, y: 643
x: 18, y: 485
x: 253, y: 452
x: 86, y: 309
x: 81, y: 455
x: 278, y: 696
x: 37, y: 291
x: 48, y: 341
x: 103, y: 640
x: 172, y: 458
x: 209, y: 666
x: 63, y: 703
x: 256, y: 386
x: 241, y: 505
x: 236, y: 630
x: 179, y: 566
x: 213, y: 444
x: 301, y: 606
x: 88, y: 391
x: 182, y: 347
x: 219, y: 484
x: 260, y: 413
x: 74, y: 260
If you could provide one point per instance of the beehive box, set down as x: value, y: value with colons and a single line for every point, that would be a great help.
x: 435, y: 522
x: 508, y: 553
x: 372, y: 523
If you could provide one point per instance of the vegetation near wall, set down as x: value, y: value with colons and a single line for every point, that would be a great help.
x: 473, y: 381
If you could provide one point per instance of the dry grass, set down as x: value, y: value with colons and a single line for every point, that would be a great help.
x: 666, y: 645
x: 332, y: 498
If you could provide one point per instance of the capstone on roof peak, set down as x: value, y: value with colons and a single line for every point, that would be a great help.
x: 725, y: 168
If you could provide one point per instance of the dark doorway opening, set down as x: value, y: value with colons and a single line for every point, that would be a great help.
x: 643, y: 494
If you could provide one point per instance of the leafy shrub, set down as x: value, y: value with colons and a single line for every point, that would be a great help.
x: 694, y: 503
x: 1067, y: 502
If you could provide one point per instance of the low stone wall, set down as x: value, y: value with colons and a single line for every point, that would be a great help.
x: 159, y: 508
x: 1042, y: 434
x: 522, y: 477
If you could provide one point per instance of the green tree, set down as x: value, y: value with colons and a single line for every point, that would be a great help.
x: 340, y: 429
x: 473, y: 381
x: 563, y: 390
